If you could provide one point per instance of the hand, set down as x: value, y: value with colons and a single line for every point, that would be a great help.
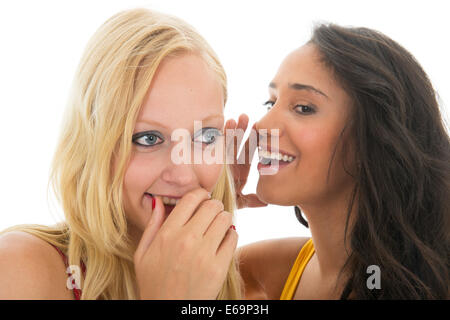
x: 187, y: 256
x: 240, y: 169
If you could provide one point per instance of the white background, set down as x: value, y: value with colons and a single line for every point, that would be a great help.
x: 42, y: 42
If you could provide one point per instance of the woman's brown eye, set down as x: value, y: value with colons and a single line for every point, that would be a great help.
x: 304, y: 109
x: 269, y: 104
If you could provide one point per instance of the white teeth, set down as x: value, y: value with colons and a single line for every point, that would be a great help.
x: 274, y: 155
x: 169, y: 201
x: 166, y: 200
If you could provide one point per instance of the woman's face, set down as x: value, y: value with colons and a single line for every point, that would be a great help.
x: 310, y: 110
x: 184, y: 89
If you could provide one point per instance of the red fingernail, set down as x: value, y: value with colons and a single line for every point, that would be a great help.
x: 153, y: 203
x: 233, y: 227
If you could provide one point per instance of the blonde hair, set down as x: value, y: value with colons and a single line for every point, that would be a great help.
x: 108, y: 90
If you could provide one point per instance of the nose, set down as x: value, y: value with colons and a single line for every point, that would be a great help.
x: 179, y: 175
x: 271, y: 125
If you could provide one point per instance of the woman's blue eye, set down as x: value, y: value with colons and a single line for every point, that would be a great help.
x: 207, y: 135
x: 304, y: 109
x: 147, y: 139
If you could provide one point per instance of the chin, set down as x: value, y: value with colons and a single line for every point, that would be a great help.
x: 274, y: 195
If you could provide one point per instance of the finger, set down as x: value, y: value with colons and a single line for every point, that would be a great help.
x: 229, y: 142
x: 249, y: 149
x: 186, y: 207
x: 250, y: 201
x: 240, y: 131
x: 235, y: 133
x: 228, y: 246
x: 204, y: 216
x: 229, y: 130
x: 218, y: 229
x: 230, y: 124
x: 242, y: 122
x: 154, y: 224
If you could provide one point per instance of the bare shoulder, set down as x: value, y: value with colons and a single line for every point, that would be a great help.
x: 265, y: 265
x: 31, y: 268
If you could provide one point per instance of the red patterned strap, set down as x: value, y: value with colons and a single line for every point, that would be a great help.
x: 76, y: 291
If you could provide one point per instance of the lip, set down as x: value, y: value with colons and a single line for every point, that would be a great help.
x: 267, y: 148
x: 167, y: 207
x: 270, y: 169
x: 164, y: 195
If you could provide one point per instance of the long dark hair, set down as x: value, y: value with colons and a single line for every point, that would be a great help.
x: 403, y: 174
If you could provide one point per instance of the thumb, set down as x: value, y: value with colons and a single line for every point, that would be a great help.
x: 154, y: 224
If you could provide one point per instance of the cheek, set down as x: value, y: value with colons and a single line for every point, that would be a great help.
x: 208, y: 175
x: 139, y: 176
x: 315, y: 148
x: 314, y: 145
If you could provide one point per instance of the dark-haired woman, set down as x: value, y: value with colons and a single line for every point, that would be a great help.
x: 364, y: 157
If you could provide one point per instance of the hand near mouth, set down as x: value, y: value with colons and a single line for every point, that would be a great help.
x: 187, y: 255
x: 241, y: 168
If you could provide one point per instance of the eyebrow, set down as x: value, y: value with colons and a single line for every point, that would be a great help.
x: 300, y: 86
x: 149, y: 121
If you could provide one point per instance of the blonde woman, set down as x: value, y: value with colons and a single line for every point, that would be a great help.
x: 143, y: 76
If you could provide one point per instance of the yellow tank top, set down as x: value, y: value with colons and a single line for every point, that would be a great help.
x: 297, y: 269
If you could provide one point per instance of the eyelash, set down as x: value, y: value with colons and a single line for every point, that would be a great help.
x: 203, y: 130
x: 147, y: 134
x: 270, y: 104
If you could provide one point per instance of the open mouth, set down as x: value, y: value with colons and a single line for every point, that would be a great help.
x: 169, y: 202
x: 275, y: 160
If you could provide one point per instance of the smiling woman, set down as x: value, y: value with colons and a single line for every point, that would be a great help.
x: 189, y: 91
x: 369, y: 170
x: 143, y: 75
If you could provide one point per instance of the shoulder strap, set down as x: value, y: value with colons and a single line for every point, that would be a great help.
x: 76, y: 292
x: 63, y: 256
x: 297, y: 269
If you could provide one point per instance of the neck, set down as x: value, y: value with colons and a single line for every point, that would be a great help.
x: 327, y: 221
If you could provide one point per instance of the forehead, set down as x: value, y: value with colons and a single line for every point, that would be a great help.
x: 183, y: 89
x: 304, y: 65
